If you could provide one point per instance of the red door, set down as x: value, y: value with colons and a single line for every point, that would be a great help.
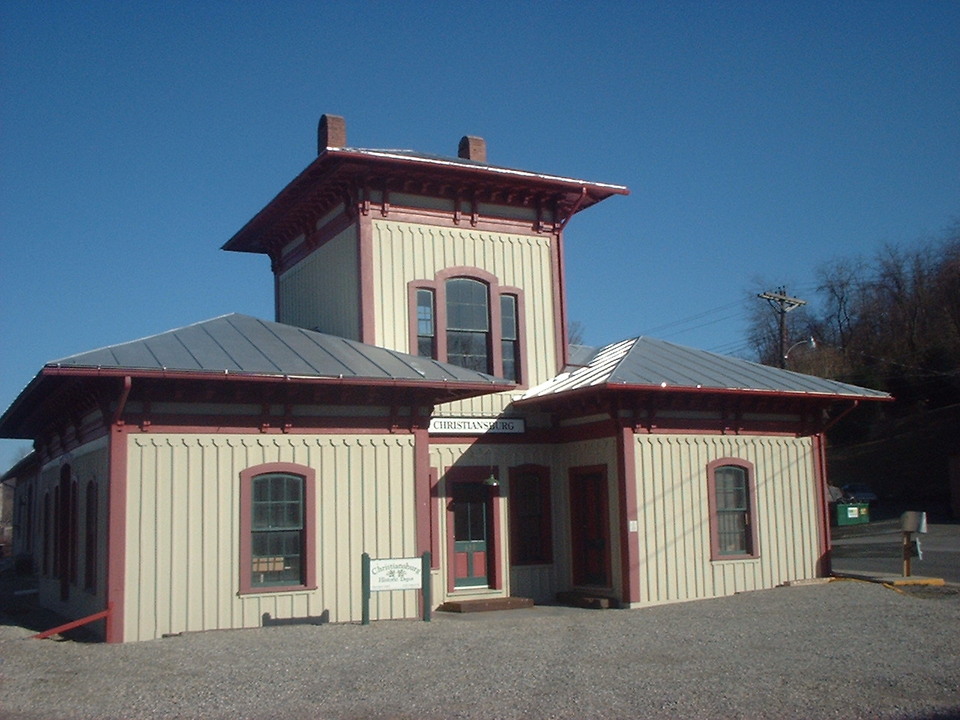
x: 590, y: 527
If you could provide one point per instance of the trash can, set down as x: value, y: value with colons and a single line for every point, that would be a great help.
x: 853, y: 513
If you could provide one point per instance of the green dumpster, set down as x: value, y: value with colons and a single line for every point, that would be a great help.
x: 853, y: 513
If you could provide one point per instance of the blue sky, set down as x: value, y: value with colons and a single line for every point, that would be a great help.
x: 759, y: 140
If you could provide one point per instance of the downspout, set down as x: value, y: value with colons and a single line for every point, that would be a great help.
x: 563, y: 340
x: 825, y: 563
x: 826, y: 544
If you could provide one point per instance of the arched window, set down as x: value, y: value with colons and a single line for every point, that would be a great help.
x: 73, y: 528
x: 732, y: 503
x: 47, y: 544
x: 29, y: 522
x: 277, y: 528
x: 468, y: 324
x: 90, y: 538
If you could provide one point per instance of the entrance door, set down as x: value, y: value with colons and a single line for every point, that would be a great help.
x: 590, y: 527
x: 471, y: 528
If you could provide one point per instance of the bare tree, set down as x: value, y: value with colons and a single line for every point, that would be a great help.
x: 891, y: 322
x: 575, y: 332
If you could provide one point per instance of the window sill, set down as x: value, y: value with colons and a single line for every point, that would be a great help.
x: 273, y: 590
x: 733, y: 558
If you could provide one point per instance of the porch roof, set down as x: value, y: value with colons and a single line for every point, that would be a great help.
x: 242, y: 348
x: 648, y: 364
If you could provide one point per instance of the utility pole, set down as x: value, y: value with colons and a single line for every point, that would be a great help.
x: 782, y: 304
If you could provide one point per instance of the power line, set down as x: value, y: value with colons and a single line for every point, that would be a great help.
x: 674, y: 324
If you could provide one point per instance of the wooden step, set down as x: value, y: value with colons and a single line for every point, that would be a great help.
x: 590, y: 601
x: 486, y: 604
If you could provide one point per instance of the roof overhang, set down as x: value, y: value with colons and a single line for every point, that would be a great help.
x: 682, y: 408
x: 343, y: 175
x: 57, y: 386
x: 666, y: 391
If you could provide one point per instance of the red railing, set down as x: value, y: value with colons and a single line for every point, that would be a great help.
x: 71, y: 625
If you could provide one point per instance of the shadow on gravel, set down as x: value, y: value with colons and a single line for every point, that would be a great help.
x: 930, y: 592
x: 321, y: 619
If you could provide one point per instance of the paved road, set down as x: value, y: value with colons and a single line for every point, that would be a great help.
x: 876, y: 548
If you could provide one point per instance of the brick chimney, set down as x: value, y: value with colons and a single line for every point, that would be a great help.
x: 473, y: 148
x: 331, y: 133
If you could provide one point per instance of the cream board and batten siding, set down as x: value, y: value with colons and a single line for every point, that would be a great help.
x: 321, y: 292
x: 183, y: 506
x: 405, y: 252
x: 601, y: 452
x: 674, y: 523
x: 539, y: 582
x: 87, y: 462
x: 535, y: 581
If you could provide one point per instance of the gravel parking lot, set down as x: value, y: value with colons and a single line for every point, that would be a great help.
x: 845, y: 649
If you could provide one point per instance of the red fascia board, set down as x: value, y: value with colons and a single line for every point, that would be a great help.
x: 482, y: 171
x: 16, y: 406
x: 445, y: 385
x: 290, y: 193
x: 331, y: 160
x: 441, y: 391
x: 686, y: 390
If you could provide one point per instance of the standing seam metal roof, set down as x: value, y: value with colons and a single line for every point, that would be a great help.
x: 644, y: 362
x: 239, y: 344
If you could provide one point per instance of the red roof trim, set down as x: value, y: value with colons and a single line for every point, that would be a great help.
x: 345, y: 167
x: 59, y: 370
x: 682, y: 389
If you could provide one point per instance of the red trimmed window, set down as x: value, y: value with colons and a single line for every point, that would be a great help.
x: 73, y: 527
x: 510, y: 337
x: 426, y: 323
x: 47, y: 535
x: 27, y: 520
x: 466, y: 318
x: 468, y: 324
x: 277, y: 534
x: 531, y: 536
x: 90, y: 538
x: 732, y: 501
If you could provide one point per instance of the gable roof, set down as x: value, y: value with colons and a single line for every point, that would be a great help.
x: 645, y: 363
x: 239, y: 347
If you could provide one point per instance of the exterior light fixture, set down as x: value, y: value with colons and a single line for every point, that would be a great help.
x: 810, y: 342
